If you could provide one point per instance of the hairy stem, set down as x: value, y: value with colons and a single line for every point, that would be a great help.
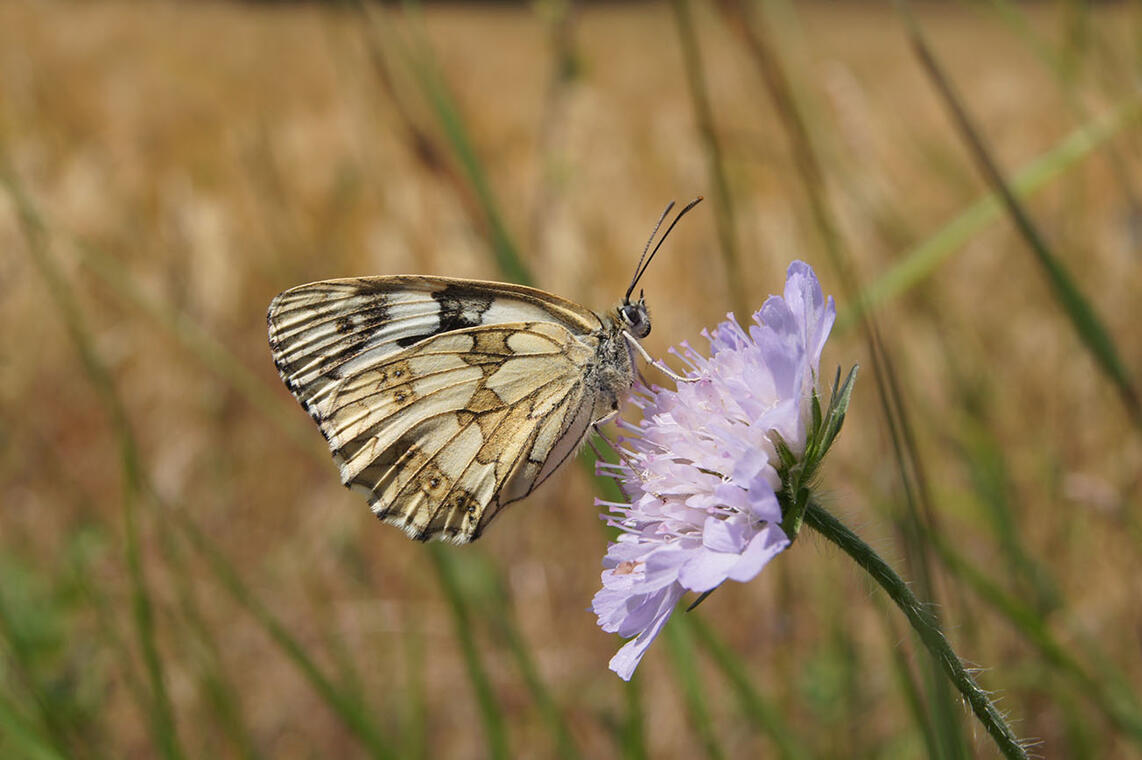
x: 923, y: 622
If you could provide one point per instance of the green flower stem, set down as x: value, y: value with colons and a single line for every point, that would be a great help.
x: 924, y: 623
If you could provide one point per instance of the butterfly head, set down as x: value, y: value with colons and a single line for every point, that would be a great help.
x: 634, y: 316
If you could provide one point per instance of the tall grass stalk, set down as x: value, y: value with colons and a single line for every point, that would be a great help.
x: 210, y: 669
x: 414, y: 702
x: 1084, y: 320
x: 160, y: 710
x: 680, y: 641
x: 347, y: 707
x: 747, y: 22
x: 632, y: 731
x: 921, y: 261
x: 906, y: 681
x: 22, y: 738
x: 1115, y: 701
x: 558, y: 18
x: 33, y: 723
x: 1068, y: 85
x: 505, y: 625
x: 475, y: 189
x: 715, y: 162
x: 351, y: 712
x: 986, y: 461
x: 754, y: 706
x: 491, y: 713
x: 106, y: 614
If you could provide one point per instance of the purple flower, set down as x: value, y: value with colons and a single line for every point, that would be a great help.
x: 700, y: 468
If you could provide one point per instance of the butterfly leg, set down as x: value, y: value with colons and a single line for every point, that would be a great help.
x: 657, y: 364
x: 598, y: 454
x: 618, y: 450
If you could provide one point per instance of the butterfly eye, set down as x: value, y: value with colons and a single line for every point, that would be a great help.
x: 636, y: 318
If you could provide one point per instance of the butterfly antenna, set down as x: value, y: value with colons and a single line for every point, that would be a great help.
x: 641, y: 268
x: 638, y: 266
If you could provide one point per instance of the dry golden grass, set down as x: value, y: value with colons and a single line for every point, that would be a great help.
x: 221, y: 153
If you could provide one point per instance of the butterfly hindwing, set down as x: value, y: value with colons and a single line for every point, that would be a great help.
x: 437, y: 404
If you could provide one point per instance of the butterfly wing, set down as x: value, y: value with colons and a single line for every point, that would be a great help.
x: 436, y: 407
x: 327, y: 330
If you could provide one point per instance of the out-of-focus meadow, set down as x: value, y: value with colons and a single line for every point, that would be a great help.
x: 181, y: 575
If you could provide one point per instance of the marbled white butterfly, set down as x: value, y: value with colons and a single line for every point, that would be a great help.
x: 444, y: 400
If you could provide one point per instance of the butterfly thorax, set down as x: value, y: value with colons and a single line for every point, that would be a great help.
x: 613, y: 369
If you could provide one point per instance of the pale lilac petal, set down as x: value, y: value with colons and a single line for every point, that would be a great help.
x: 764, y: 505
x: 763, y: 547
x: 721, y: 535
x: 642, y: 611
x: 662, y: 566
x: 612, y: 607
x: 812, y: 310
x: 707, y: 569
x: 627, y: 659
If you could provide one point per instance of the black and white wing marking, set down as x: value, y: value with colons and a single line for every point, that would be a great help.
x: 442, y: 400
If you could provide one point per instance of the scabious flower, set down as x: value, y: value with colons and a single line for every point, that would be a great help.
x: 702, y: 468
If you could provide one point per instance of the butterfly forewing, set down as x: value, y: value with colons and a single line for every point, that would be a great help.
x: 442, y: 400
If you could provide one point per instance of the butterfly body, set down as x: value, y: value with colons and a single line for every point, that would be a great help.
x: 444, y: 400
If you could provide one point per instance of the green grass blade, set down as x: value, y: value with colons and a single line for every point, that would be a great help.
x: 42, y: 729
x: 106, y: 613
x: 1068, y: 85
x: 748, y: 22
x: 507, y: 257
x: 905, y: 680
x: 495, y: 729
x: 711, y: 146
x: 351, y: 711
x: 1083, y: 318
x: 1117, y: 707
x: 921, y: 261
x: 988, y: 469
x: 412, y: 699
x: 503, y: 620
x: 559, y: 19
x: 755, y: 707
x: 161, y: 712
x: 449, y: 118
x: 19, y: 738
x: 917, y: 521
x: 215, y: 683
x: 632, y: 733
x: 680, y: 642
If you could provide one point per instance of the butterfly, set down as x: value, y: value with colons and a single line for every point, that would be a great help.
x: 444, y: 400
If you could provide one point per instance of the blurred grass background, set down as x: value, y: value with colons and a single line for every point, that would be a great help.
x: 181, y: 574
